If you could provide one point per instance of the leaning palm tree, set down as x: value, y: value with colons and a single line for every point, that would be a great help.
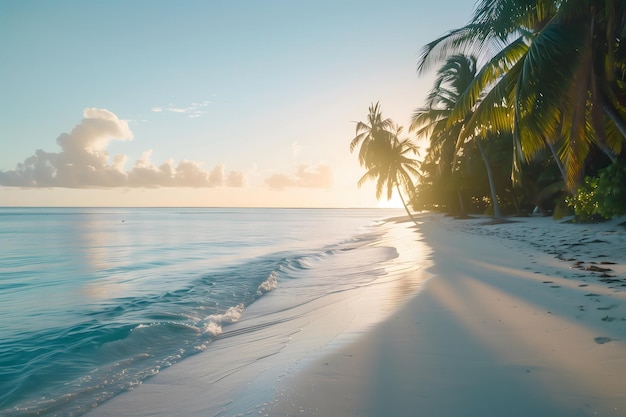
x: 390, y: 164
x: 385, y: 156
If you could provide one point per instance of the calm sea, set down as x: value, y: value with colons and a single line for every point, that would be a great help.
x: 95, y: 300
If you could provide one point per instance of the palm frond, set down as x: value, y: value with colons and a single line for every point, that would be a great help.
x: 426, y: 117
x: 491, y: 73
x: 543, y: 85
x: 500, y: 18
x: 371, y: 174
x: 494, y: 113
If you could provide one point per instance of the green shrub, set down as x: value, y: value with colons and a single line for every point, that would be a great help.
x: 585, y: 201
x: 602, y: 197
x: 611, y: 190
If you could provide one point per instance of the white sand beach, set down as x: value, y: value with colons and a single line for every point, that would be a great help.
x: 511, y: 325
x: 517, y: 319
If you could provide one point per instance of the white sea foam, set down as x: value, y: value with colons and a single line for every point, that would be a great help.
x: 270, y: 284
x: 213, y: 328
x: 214, y: 323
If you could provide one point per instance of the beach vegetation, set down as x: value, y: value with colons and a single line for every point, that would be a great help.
x: 527, y: 112
x: 553, y: 78
x: 444, y: 119
x: 389, y: 159
x: 585, y: 201
x: 548, y: 77
x: 369, y: 133
x: 611, y: 190
x: 601, y: 197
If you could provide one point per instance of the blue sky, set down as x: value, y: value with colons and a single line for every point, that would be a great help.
x: 203, y: 103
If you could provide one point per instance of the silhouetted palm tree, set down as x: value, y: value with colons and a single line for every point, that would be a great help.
x: 386, y: 157
x: 376, y: 129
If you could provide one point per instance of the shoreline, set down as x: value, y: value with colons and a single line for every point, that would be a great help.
x: 279, y: 335
x: 508, y: 325
x: 503, y: 319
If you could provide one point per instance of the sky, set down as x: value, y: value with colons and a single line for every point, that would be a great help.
x: 233, y: 103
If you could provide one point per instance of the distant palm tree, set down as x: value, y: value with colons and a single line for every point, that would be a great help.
x: 376, y: 129
x: 386, y: 156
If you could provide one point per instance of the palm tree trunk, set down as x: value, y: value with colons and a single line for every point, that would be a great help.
x: 461, y: 205
x: 405, y: 205
x: 492, y: 185
x: 557, y: 160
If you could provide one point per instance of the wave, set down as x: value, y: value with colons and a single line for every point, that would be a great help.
x: 71, y: 369
x: 213, y: 325
x: 270, y: 284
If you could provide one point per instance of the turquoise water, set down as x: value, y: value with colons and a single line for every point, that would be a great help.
x: 94, y: 301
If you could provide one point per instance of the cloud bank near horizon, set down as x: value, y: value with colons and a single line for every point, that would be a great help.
x: 305, y: 176
x: 83, y: 162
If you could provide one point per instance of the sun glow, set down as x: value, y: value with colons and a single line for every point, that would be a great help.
x: 395, y: 202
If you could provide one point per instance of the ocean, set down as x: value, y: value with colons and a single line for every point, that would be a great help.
x: 95, y: 301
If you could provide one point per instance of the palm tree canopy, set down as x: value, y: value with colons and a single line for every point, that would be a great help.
x: 386, y: 157
x: 368, y: 133
x: 556, y: 66
x: 435, y: 120
x: 392, y: 165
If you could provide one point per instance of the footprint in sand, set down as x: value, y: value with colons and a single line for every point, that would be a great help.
x: 602, y: 340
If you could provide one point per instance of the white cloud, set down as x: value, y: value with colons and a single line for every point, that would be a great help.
x: 218, y: 177
x: 237, y: 179
x: 83, y: 162
x: 305, y: 176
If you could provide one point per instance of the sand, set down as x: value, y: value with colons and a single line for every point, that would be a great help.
x: 515, y: 322
x: 517, y: 319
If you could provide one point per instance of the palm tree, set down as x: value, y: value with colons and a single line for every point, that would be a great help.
x: 386, y: 157
x: 556, y: 71
x: 443, y: 122
x: 433, y: 121
x: 391, y: 166
x: 375, y: 130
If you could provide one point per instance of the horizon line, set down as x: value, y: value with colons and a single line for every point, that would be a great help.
x: 209, y: 207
